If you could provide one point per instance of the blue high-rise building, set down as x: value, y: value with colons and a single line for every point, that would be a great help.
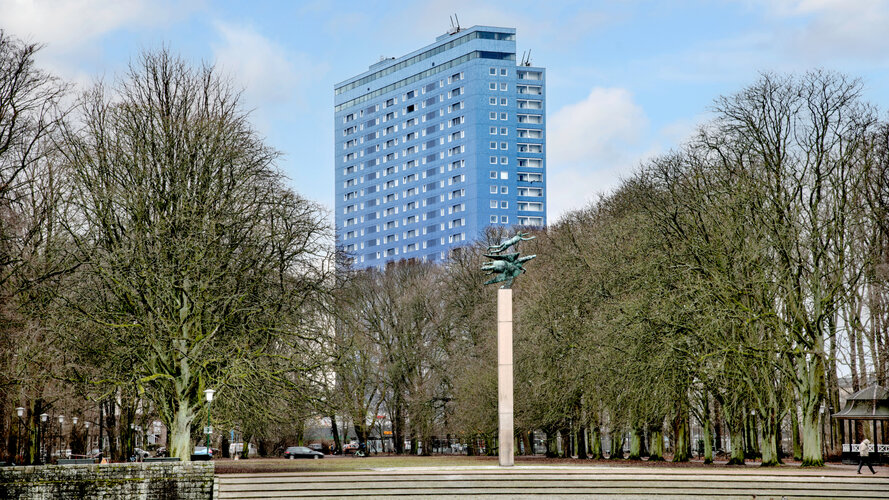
x: 434, y: 146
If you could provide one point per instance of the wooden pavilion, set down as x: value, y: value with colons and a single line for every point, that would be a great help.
x: 867, y: 405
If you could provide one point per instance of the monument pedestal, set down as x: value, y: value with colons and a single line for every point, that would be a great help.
x: 504, y: 377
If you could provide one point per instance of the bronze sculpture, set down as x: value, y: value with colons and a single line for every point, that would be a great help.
x: 507, y: 266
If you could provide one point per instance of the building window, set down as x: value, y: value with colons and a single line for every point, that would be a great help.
x: 503, y: 116
x: 493, y: 174
x: 503, y: 72
x: 504, y: 204
x: 503, y: 145
x: 504, y: 160
x: 503, y: 101
x: 504, y: 219
x: 504, y: 175
x: 504, y: 190
x: 493, y: 203
x: 504, y: 131
x: 492, y: 86
x: 493, y: 130
x: 493, y: 160
x: 493, y: 219
x: 492, y: 145
x: 504, y: 86
x: 492, y: 115
x: 493, y: 189
x: 492, y: 71
x: 492, y: 101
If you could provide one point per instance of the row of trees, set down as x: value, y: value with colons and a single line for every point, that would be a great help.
x: 733, y: 281
x: 149, y: 250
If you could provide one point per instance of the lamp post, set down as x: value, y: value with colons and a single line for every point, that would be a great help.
x: 73, y: 433
x: 42, y: 435
x: 209, y: 395
x: 86, y: 426
x: 61, y: 442
x: 132, y: 450
x: 20, y: 411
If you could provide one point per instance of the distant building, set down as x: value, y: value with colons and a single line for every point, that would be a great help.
x: 436, y: 145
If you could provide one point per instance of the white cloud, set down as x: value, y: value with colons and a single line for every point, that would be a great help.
x: 835, y: 28
x: 591, y: 143
x: 272, y: 76
x: 66, y: 25
x: 72, y: 30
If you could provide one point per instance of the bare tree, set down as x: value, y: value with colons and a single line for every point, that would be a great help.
x: 199, y: 268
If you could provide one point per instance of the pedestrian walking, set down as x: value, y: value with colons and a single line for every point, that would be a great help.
x: 864, y: 455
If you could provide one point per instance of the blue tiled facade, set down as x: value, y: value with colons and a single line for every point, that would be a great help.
x: 434, y: 146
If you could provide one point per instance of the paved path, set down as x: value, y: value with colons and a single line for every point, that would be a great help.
x: 559, y: 482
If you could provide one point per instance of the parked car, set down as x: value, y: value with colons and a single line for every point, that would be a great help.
x: 350, y: 448
x: 161, y: 452
x: 202, y: 453
x: 302, y: 452
x: 140, y: 454
x: 316, y: 446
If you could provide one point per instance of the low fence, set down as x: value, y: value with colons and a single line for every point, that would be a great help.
x: 155, y: 481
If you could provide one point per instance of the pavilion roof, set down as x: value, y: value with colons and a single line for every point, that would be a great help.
x: 871, y: 403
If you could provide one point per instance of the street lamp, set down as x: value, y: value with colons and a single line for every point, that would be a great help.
x: 86, y: 426
x: 61, y: 446
x: 132, y: 449
x: 209, y: 395
x: 20, y: 411
x: 42, y: 432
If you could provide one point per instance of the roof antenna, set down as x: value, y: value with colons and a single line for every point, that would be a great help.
x: 455, y: 25
x: 528, y: 59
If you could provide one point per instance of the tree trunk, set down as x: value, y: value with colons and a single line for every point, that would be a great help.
x: 337, y: 443
x: 655, y: 444
x: 708, y: 440
x: 552, y: 449
x: 617, y: 446
x: 810, y: 379
x: 681, y: 446
x: 490, y: 446
x: 810, y: 433
x: 635, y: 444
x: 769, y: 442
x: 596, y: 445
x: 245, y: 449
x: 794, y: 431
x: 398, y: 428
x: 527, y: 441
x: 427, y: 445
x: 224, y: 445
x: 110, y: 425
x: 581, y: 442
x: 735, y: 422
x: 179, y: 436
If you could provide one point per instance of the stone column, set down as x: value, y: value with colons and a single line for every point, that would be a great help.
x: 504, y: 376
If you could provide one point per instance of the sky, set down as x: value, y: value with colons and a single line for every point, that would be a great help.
x: 626, y: 80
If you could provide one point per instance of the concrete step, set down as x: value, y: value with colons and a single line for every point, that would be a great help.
x: 518, y: 483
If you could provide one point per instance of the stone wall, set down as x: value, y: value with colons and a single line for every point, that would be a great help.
x: 161, y: 481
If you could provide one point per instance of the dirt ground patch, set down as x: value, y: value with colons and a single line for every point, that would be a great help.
x: 350, y: 463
